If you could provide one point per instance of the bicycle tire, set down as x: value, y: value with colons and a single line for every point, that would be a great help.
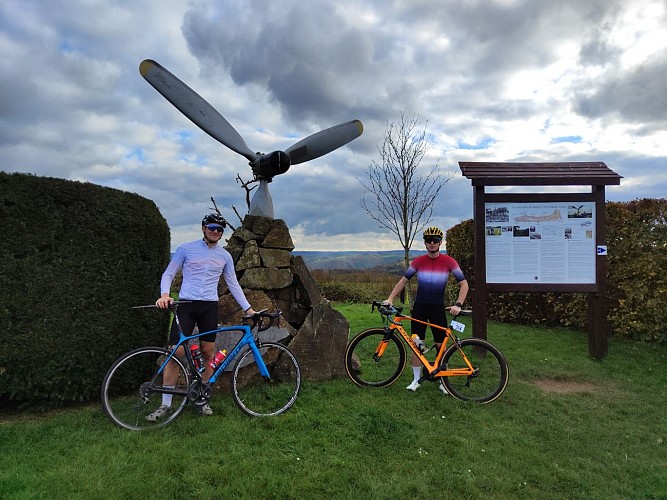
x: 258, y: 397
x: 490, y: 379
x: 130, y: 389
x: 362, y: 365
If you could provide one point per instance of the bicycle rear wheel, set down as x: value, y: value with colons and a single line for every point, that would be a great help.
x: 366, y: 366
x: 491, y: 371
x: 260, y: 397
x: 132, y: 389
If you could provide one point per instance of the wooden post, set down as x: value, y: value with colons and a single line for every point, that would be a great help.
x: 479, y: 323
x: 598, y: 303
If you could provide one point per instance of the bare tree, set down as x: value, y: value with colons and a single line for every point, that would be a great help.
x: 217, y: 210
x: 400, y: 196
x: 244, y: 185
x: 248, y: 190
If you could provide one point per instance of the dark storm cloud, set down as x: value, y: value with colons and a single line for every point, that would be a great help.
x: 637, y: 97
x: 597, y: 48
x: 301, y: 57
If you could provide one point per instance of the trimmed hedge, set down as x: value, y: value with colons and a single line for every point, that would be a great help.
x: 637, y: 269
x: 636, y: 277
x: 74, y: 258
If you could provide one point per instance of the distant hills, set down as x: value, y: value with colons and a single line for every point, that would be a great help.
x: 354, y: 259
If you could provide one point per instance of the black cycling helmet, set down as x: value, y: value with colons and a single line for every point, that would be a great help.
x: 214, y: 219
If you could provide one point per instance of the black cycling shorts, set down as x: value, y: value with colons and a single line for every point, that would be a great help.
x: 203, y: 313
x: 433, y: 313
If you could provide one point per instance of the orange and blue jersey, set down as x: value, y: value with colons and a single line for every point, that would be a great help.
x: 432, y: 275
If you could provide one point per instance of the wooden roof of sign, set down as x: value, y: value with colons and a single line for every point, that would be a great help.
x: 539, y: 174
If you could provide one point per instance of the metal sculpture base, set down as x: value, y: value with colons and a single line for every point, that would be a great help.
x: 261, y: 203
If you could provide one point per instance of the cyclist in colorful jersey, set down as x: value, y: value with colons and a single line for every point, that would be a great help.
x: 202, y: 262
x: 432, y: 270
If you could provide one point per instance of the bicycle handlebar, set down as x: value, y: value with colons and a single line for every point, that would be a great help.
x: 259, y: 317
x: 253, y: 320
x: 390, y: 310
x: 171, y: 306
x: 385, y: 309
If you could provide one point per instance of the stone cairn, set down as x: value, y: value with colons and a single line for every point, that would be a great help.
x: 271, y: 278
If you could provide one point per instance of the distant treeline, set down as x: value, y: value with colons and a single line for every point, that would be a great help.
x: 341, y: 285
x: 391, y: 260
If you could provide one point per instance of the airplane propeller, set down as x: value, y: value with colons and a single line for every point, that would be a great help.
x: 264, y: 166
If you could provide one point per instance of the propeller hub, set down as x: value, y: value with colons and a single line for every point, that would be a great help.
x: 269, y: 165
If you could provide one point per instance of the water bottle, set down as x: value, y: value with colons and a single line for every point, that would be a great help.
x: 217, y: 359
x: 419, y: 343
x: 197, y: 357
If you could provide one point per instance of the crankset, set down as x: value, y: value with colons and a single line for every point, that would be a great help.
x: 199, y: 393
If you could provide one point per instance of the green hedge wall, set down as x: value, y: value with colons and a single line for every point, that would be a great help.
x: 637, y: 269
x: 636, y: 277
x: 74, y: 259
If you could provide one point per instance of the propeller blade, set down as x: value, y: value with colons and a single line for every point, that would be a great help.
x: 195, y: 107
x: 324, y: 141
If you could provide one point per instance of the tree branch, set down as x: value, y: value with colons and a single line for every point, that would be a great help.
x: 399, y: 196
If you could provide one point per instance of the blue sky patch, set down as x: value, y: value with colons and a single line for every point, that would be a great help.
x: 576, y: 139
x: 481, y: 144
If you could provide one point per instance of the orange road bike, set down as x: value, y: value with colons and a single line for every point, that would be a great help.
x: 470, y: 369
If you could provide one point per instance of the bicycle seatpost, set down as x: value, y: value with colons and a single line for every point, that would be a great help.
x: 174, y: 307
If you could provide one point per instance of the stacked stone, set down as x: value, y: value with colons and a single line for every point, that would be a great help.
x: 273, y: 278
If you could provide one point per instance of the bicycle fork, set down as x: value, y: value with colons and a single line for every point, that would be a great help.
x: 380, y: 349
x: 260, y: 361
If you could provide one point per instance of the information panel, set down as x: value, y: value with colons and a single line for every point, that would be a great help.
x: 540, y: 242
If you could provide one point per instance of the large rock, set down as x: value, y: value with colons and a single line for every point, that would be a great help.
x: 274, y: 279
x: 266, y: 278
x: 250, y: 257
x: 290, y: 301
x: 306, y: 283
x: 241, y: 236
x: 261, y: 226
x: 274, y: 257
x: 229, y: 312
x: 320, y: 343
x: 278, y: 237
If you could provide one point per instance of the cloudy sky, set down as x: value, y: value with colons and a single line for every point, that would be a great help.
x: 503, y: 80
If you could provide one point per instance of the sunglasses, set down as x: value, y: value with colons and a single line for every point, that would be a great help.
x: 432, y: 240
x: 215, y: 228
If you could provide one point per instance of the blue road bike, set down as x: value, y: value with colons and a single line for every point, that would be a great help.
x: 264, y: 381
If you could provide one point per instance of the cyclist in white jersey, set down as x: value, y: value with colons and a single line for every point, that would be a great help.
x: 202, y: 263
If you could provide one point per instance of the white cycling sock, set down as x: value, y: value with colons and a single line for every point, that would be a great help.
x: 416, y: 373
x: 166, y: 398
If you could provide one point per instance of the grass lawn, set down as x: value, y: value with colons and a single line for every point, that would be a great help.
x: 567, y: 426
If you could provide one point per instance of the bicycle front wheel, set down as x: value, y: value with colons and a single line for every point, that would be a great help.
x: 258, y: 396
x: 491, y: 373
x: 375, y: 359
x: 132, y: 389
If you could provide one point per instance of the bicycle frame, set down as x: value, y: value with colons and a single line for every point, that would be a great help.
x: 433, y: 369
x: 248, y: 339
x: 264, y: 377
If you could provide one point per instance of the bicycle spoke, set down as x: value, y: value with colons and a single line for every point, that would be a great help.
x: 490, y: 371
x: 132, y: 390
x: 364, y: 364
x: 258, y: 396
